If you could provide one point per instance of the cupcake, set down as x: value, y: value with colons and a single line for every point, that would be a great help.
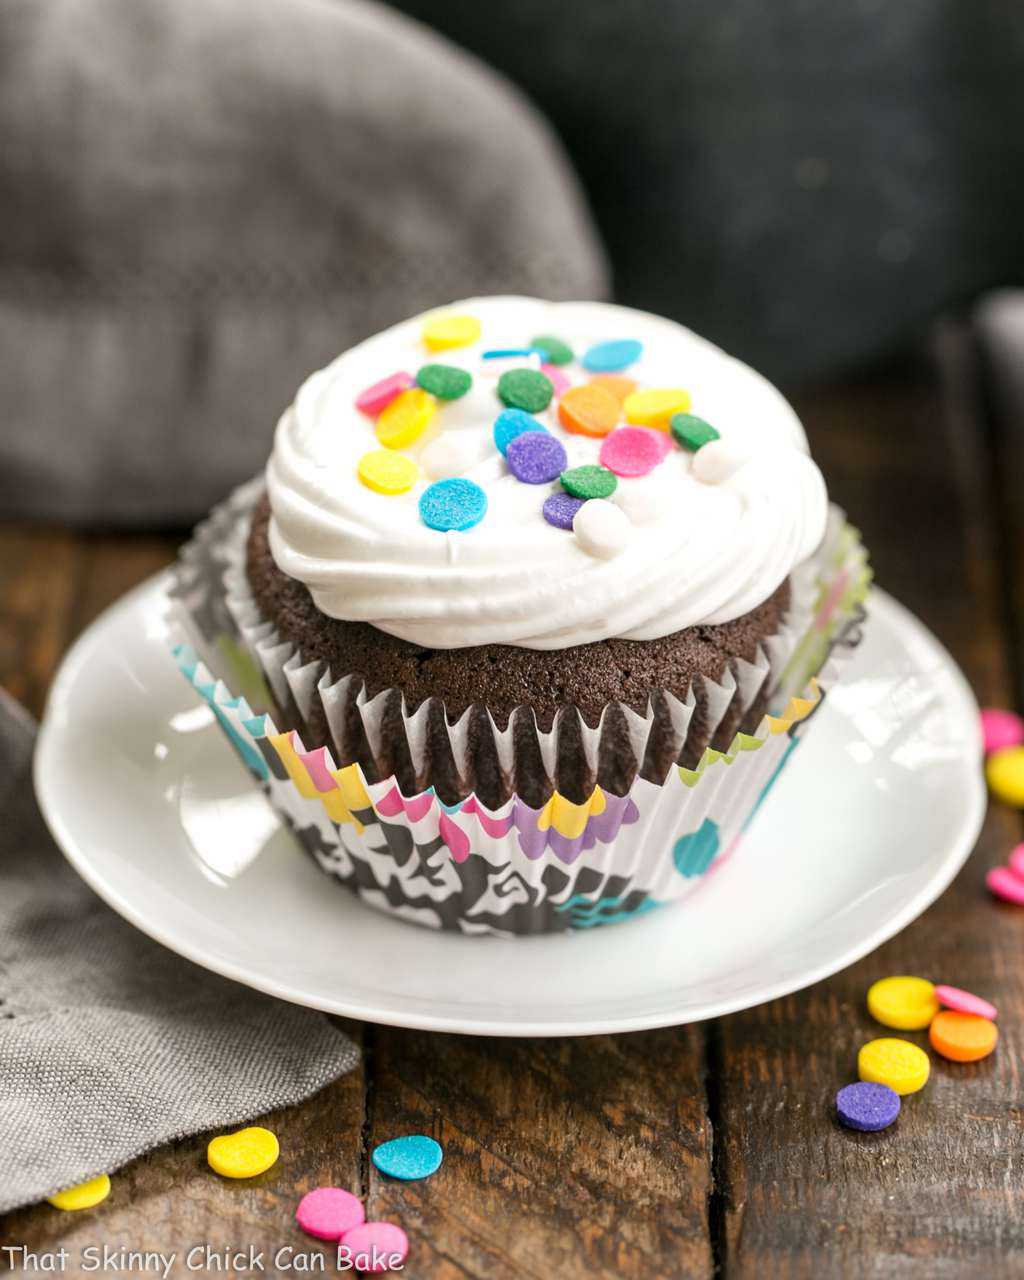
x: 528, y: 612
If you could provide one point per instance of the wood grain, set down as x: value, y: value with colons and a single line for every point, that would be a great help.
x: 563, y: 1157
x: 694, y: 1152
x: 939, y: 1194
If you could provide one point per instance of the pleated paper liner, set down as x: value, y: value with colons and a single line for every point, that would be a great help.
x: 652, y: 802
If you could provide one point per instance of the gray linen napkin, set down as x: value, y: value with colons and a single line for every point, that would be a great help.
x: 109, y: 1044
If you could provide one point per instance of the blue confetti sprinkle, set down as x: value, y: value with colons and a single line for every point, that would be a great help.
x: 408, y: 1158
x: 512, y: 423
x: 499, y: 353
x: 452, y: 505
x: 610, y: 357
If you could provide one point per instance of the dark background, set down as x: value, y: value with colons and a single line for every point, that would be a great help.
x: 201, y: 203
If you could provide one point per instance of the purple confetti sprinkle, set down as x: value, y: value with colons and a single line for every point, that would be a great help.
x: 560, y: 508
x: 867, y: 1106
x: 536, y: 457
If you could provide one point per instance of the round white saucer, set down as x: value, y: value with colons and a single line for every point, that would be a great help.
x: 870, y: 822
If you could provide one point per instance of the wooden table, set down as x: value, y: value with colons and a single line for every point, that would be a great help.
x: 697, y: 1151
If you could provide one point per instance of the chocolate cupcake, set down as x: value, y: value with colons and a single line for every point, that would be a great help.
x: 530, y: 607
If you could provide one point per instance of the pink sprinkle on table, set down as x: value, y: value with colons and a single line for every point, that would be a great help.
x: 965, y: 1002
x: 1004, y: 884
x: 374, y: 1247
x: 1001, y: 729
x: 375, y: 399
x: 329, y: 1212
x: 634, y: 451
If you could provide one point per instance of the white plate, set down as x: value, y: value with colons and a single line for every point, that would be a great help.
x: 876, y: 813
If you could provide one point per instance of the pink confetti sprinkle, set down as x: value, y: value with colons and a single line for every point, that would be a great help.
x: 1004, y: 884
x: 1016, y: 861
x: 556, y: 377
x: 375, y: 399
x: 374, y: 1247
x: 1001, y: 729
x: 329, y: 1212
x: 634, y: 451
x: 964, y: 1002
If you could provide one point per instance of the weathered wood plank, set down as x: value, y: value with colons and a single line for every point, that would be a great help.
x: 170, y: 1201
x: 37, y: 568
x: 937, y: 1195
x: 585, y: 1157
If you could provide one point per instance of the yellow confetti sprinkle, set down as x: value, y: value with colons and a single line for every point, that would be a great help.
x: 1005, y: 773
x: 908, y: 1004
x: 654, y: 408
x: 243, y: 1154
x: 84, y: 1196
x: 406, y: 418
x: 897, y: 1063
x: 442, y: 332
x: 386, y: 471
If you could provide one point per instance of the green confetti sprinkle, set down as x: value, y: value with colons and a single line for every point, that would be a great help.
x: 525, y: 389
x: 590, y: 481
x: 691, y: 431
x: 553, y: 349
x: 444, y: 381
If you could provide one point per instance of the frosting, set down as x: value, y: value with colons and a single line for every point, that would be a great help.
x: 705, y: 536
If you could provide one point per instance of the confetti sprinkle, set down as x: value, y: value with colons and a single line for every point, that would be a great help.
x: 1004, y: 884
x: 553, y: 349
x: 1001, y: 729
x: 1004, y: 770
x: 406, y: 418
x: 867, y: 1106
x: 589, y: 482
x: 692, y: 432
x: 654, y: 407
x: 385, y: 471
x: 717, y: 461
x: 512, y: 423
x: 328, y: 1212
x: 557, y: 378
x: 243, y: 1154
x: 525, y: 389
x: 908, y: 1004
x: 453, y: 454
x: 560, y: 509
x: 377, y: 398
x: 962, y: 1037
x: 408, y: 1158
x: 373, y: 1247
x: 442, y: 332
x: 634, y: 451
x: 611, y: 357
x: 897, y: 1063
x: 507, y: 353
x: 452, y: 505
x: 446, y: 381
x: 589, y: 410
x: 83, y: 1196
x: 965, y: 1002
x: 616, y: 384
x: 535, y: 457
x: 602, y: 528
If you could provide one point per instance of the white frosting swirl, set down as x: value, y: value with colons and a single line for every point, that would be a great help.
x: 703, y: 551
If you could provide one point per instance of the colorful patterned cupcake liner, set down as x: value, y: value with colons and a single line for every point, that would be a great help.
x: 515, y: 868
